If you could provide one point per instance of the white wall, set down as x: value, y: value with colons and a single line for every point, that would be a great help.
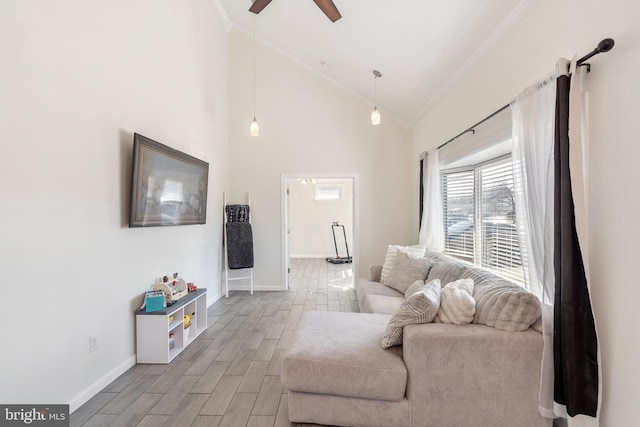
x: 310, y: 234
x: 77, y: 79
x: 526, y: 55
x: 309, y: 125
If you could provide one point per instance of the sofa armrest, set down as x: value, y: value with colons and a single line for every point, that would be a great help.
x: 375, y: 271
x: 473, y: 375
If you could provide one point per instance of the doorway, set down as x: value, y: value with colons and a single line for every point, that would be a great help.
x: 311, y: 204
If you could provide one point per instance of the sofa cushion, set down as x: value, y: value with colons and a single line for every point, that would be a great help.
x: 375, y: 272
x: 407, y: 270
x: 325, y: 410
x: 447, y: 271
x: 421, y: 307
x: 457, y: 305
x: 365, y: 287
x: 339, y: 353
x: 383, y: 304
x: 390, y: 258
x: 501, y: 303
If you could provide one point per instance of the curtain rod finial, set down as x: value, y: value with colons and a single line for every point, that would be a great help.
x: 605, y: 45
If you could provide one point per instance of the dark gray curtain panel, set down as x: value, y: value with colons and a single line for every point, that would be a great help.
x: 575, y: 339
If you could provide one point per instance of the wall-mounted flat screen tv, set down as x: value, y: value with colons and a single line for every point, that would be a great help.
x: 168, y: 187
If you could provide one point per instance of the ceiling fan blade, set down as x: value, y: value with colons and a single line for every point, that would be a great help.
x: 258, y: 5
x: 329, y: 9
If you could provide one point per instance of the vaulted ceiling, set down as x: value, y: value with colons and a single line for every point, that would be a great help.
x: 421, y: 47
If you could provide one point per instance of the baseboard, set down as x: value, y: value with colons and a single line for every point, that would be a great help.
x: 108, y: 378
x: 211, y: 301
x: 97, y: 387
x: 83, y: 397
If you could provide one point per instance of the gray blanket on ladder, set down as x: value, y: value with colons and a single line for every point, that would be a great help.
x: 239, y: 237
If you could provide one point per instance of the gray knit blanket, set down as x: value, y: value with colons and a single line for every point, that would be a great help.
x: 239, y: 245
x: 237, y: 213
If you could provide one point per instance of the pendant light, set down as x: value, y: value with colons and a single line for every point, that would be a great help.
x: 254, y: 129
x: 375, y: 114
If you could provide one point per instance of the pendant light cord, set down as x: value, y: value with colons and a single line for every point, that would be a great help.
x: 375, y: 91
x: 254, y: 67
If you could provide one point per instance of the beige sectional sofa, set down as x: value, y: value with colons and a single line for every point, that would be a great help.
x: 482, y: 374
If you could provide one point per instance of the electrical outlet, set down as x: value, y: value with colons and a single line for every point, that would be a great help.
x: 93, y: 343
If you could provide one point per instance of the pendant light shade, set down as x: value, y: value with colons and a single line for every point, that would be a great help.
x: 255, y: 128
x: 375, y: 116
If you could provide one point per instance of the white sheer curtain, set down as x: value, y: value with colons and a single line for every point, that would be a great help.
x: 533, y: 115
x: 579, y: 168
x: 579, y: 157
x: 432, y: 228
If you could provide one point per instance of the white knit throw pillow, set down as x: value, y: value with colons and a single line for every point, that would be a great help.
x: 457, y: 305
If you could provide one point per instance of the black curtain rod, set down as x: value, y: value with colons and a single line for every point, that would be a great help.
x: 604, y: 46
x: 472, y: 128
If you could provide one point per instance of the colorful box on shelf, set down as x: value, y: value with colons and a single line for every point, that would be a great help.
x: 173, y: 290
x: 155, y: 301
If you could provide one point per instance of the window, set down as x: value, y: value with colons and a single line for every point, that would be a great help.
x: 328, y: 192
x: 479, y: 217
x: 459, y: 212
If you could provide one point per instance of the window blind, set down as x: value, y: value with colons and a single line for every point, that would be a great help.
x: 459, y: 212
x: 479, y: 217
x: 499, y: 247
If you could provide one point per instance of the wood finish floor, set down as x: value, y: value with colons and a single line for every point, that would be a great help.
x: 230, y: 375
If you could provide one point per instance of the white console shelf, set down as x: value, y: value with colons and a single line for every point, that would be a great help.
x: 153, y: 329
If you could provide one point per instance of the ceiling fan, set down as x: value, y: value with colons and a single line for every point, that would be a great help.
x: 325, y: 6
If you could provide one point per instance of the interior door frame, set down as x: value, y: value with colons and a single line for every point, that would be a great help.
x: 284, y: 216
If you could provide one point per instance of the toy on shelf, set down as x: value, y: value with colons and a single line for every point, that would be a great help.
x: 187, y: 320
x: 173, y: 289
x: 154, y: 301
x: 187, y: 325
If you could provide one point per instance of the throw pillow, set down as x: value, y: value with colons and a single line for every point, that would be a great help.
x: 420, y: 285
x: 508, y: 308
x: 407, y: 270
x: 502, y: 304
x: 449, y: 272
x: 390, y: 258
x: 457, y: 305
x: 421, y: 307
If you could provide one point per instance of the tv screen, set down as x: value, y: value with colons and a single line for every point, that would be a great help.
x: 168, y: 187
